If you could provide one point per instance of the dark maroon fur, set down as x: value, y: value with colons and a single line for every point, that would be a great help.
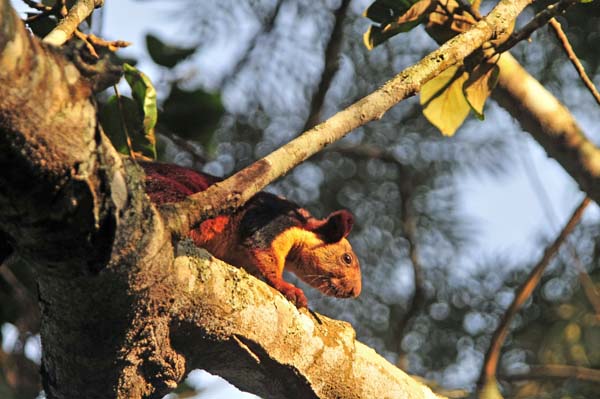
x: 171, y: 183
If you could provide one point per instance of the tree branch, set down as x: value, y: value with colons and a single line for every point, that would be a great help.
x: 236, y: 190
x: 540, y: 20
x: 550, y: 123
x: 488, y: 372
x: 560, y: 35
x: 227, y: 321
x: 50, y: 152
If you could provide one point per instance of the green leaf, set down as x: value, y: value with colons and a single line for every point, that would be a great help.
x: 145, y: 95
x: 164, y: 54
x: 479, y: 86
x: 121, y: 118
x: 192, y: 114
x: 443, y: 101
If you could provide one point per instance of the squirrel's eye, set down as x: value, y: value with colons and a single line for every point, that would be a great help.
x: 347, y: 258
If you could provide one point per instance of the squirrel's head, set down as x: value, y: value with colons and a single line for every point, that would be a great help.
x: 325, y: 259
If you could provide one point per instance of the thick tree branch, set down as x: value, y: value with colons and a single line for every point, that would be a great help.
x: 227, y: 321
x: 48, y: 153
x: 235, y: 191
x: 550, y: 123
x: 72, y: 211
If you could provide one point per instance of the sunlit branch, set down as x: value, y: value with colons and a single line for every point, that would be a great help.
x: 588, y: 285
x: 236, y: 190
x: 68, y: 25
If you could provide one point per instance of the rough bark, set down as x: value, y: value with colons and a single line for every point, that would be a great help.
x: 71, y: 209
x: 262, y: 343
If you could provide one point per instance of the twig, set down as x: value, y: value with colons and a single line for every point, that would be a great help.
x: 560, y: 35
x: 332, y: 54
x: 558, y: 371
x: 492, y: 356
x: 91, y: 41
x: 38, y: 6
x: 541, y: 19
x: 239, y: 188
x: 68, y: 25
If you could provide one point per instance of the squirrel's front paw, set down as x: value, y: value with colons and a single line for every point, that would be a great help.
x: 291, y: 292
x: 296, y: 296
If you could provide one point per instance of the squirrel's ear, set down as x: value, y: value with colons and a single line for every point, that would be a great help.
x: 336, y: 226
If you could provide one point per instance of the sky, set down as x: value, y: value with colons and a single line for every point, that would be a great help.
x: 509, y: 211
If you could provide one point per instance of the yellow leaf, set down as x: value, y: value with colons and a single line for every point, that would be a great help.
x: 443, y: 101
x: 479, y: 86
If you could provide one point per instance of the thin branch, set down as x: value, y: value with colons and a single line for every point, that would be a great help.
x: 492, y: 356
x: 68, y: 25
x: 560, y: 35
x: 541, y: 19
x: 558, y: 371
x: 588, y: 285
x: 236, y: 190
x: 332, y: 54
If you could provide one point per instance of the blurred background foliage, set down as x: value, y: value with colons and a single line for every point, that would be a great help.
x: 399, y: 176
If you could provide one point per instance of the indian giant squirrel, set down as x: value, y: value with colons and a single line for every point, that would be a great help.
x: 268, y: 234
